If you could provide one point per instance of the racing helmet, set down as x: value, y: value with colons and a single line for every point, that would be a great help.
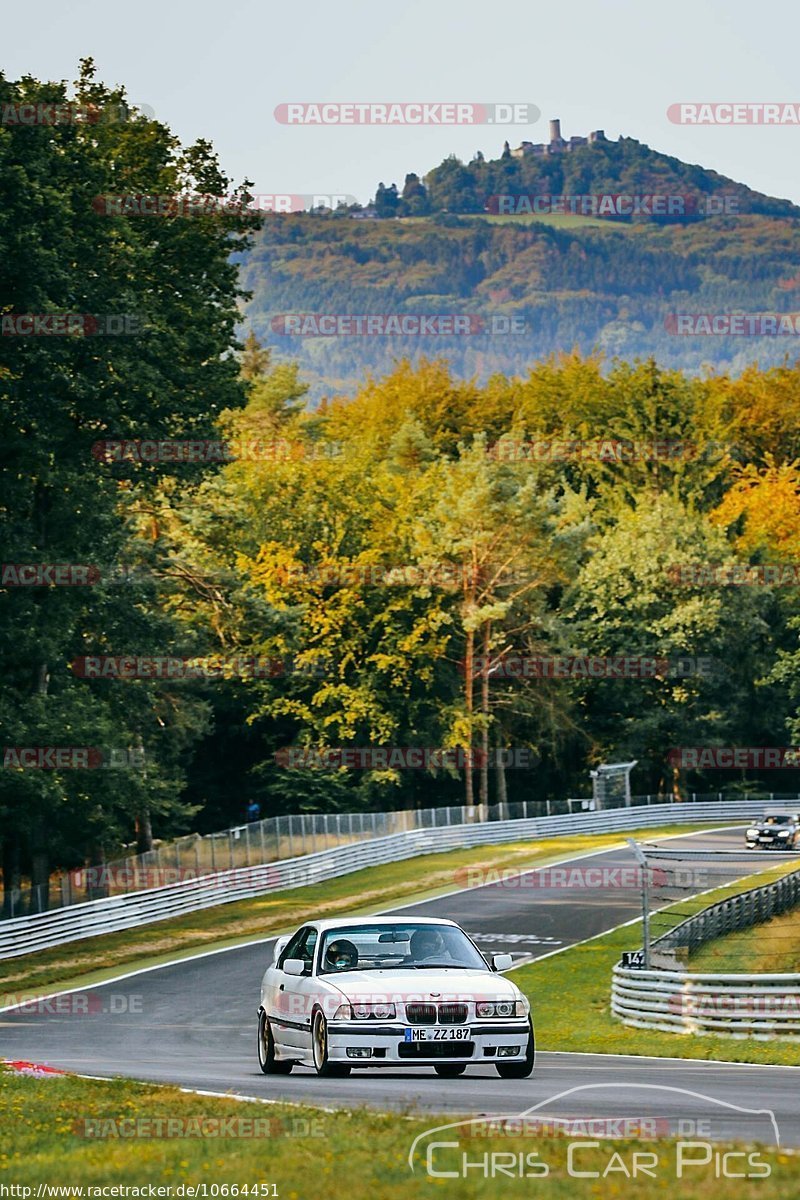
x: 341, y: 955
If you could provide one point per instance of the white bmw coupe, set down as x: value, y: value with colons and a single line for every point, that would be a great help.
x: 390, y: 992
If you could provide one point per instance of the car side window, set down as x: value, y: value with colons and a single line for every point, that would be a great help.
x: 307, y: 950
x: 301, y: 946
x: 292, y: 947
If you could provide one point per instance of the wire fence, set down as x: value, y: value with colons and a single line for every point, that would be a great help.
x: 682, y: 931
x: 727, y: 968
x: 277, y: 838
x: 734, y: 914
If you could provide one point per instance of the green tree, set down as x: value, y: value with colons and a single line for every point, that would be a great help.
x: 170, y: 285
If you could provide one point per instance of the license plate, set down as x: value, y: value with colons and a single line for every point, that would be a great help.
x: 431, y: 1033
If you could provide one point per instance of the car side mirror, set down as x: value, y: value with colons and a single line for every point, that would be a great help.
x: 502, y: 962
x: 294, y: 966
x: 280, y: 946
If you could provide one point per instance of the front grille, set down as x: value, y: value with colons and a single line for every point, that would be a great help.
x: 431, y: 1014
x: 436, y: 1049
x: 421, y: 1014
x: 452, y: 1014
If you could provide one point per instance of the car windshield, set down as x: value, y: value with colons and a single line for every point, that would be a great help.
x: 406, y: 944
x: 779, y: 819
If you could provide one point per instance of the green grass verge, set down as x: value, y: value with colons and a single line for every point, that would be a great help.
x: 94, y: 960
x: 304, y: 1152
x: 571, y: 989
x: 773, y: 946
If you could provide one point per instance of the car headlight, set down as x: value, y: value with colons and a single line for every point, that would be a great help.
x: 783, y: 832
x: 500, y: 1008
x: 752, y: 833
x: 373, y: 1012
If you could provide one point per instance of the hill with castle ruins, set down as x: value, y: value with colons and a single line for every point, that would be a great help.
x: 579, y: 243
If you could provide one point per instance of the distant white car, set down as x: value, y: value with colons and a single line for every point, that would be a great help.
x: 390, y: 992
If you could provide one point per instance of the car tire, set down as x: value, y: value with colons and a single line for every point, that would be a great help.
x: 319, y: 1049
x: 270, y: 1065
x: 450, y: 1070
x: 520, y: 1070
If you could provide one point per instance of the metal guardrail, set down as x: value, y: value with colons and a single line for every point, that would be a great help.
x: 277, y: 838
x: 734, y: 1005
x: 724, y: 1005
x: 25, y: 935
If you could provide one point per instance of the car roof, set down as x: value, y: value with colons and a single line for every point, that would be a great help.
x: 349, y: 922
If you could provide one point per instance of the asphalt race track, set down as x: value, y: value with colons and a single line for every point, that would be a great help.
x: 194, y: 1023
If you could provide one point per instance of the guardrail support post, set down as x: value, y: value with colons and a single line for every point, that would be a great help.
x: 642, y: 861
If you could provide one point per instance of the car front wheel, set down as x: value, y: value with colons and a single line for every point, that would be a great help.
x: 270, y: 1065
x: 319, y: 1046
x: 520, y: 1070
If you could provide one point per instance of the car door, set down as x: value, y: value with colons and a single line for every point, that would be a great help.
x: 272, y: 977
x: 294, y: 993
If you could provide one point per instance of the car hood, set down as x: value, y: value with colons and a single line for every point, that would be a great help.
x: 439, y: 984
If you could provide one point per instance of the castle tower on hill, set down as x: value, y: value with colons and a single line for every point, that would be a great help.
x: 557, y: 144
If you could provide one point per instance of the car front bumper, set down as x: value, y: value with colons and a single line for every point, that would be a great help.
x: 367, y: 1044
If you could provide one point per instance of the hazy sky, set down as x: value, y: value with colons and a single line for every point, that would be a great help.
x: 218, y: 70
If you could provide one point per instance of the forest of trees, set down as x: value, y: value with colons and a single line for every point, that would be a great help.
x: 388, y: 548
x: 610, y: 289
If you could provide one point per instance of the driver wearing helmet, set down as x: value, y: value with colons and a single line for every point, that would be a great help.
x: 426, y: 944
x: 341, y: 955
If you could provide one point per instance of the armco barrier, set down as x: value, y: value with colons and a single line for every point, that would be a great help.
x: 24, y: 935
x: 724, y: 1005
